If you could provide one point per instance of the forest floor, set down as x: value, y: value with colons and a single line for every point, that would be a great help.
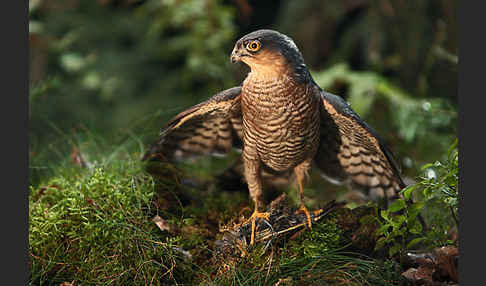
x: 116, y: 223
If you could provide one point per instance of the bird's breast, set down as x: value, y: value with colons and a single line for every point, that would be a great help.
x: 281, y: 122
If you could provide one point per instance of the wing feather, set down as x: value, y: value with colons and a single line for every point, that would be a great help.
x: 351, y: 151
x: 212, y: 126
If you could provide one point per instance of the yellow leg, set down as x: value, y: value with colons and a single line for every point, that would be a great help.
x: 300, y: 172
x: 302, y: 206
x: 256, y: 214
x: 252, y: 175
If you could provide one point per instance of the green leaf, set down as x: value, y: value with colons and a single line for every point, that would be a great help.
x: 380, y: 243
x: 414, y: 210
x: 397, y: 231
x: 407, y: 192
x: 368, y: 219
x: 384, y: 214
x: 416, y: 241
x: 414, y: 226
x: 428, y: 192
x: 383, y: 229
x: 426, y: 166
x: 398, y: 220
x: 453, y: 147
x: 397, y: 205
x: 394, y: 249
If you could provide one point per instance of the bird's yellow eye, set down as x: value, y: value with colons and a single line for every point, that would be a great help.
x: 253, y: 46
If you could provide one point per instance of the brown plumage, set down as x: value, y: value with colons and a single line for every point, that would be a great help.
x: 284, y: 122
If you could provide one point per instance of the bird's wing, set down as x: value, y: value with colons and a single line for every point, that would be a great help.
x: 213, y: 126
x: 350, y: 150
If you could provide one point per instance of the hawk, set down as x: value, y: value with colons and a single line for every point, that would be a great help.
x: 284, y: 123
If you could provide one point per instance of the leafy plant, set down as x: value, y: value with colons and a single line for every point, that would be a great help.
x: 437, y: 190
x: 435, y: 195
x: 129, y: 62
x: 396, y: 229
x: 440, y: 181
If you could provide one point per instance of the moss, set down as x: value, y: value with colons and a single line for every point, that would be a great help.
x: 93, y: 228
x: 324, y: 236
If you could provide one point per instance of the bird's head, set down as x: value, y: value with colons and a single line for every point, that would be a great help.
x: 269, y: 53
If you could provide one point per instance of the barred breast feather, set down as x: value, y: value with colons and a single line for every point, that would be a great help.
x: 280, y: 122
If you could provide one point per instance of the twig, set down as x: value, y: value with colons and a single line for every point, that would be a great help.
x: 454, y: 215
x: 269, y: 267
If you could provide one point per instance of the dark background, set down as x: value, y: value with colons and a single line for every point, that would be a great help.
x: 120, y: 69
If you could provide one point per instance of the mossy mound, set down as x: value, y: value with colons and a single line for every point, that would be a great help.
x: 96, y: 226
x: 93, y: 227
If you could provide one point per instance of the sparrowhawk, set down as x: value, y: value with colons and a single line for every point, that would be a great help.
x: 284, y: 122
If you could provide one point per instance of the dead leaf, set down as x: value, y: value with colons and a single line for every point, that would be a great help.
x: 410, y: 273
x: 161, y: 223
x: 446, y: 258
x: 433, y: 267
x: 424, y: 273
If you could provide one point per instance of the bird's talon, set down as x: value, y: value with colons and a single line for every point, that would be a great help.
x: 304, y: 210
x: 256, y: 214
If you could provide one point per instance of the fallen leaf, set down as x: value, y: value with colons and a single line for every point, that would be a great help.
x: 424, y: 273
x: 161, y: 223
x: 446, y: 260
x: 410, y: 273
x: 434, y: 267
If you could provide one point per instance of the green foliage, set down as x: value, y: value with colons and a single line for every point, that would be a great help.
x: 435, y: 196
x: 321, y: 239
x: 440, y: 180
x: 333, y: 268
x: 318, y: 256
x: 437, y: 191
x: 315, y: 257
x: 161, y: 55
x: 396, y: 229
x: 92, y: 227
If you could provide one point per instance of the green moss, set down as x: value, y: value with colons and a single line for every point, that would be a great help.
x: 94, y: 228
x: 324, y: 236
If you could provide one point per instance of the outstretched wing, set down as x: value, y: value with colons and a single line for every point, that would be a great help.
x: 350, y: 150
x: 213, y: 126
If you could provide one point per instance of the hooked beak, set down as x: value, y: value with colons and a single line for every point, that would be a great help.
x: 235, y: 56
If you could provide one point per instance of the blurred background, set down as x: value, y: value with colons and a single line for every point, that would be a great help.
x: 119, y: 69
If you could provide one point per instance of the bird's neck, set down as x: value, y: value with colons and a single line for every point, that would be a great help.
x: 268, y: 75
x: 277, y: 73
x: 266, y: 81
x: 283, y: 86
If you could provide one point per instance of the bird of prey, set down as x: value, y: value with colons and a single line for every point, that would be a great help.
x: 284, y: 122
